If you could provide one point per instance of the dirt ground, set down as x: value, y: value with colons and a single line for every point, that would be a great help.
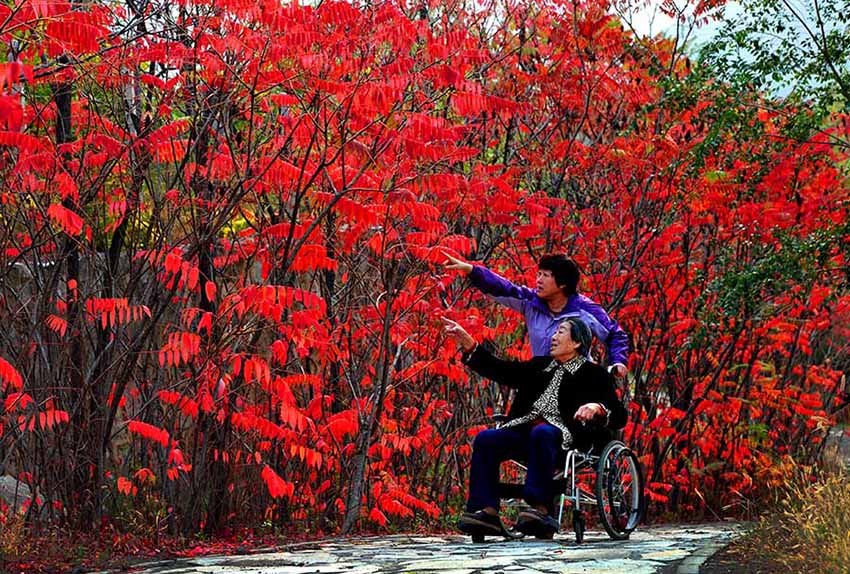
x: 739, y: 557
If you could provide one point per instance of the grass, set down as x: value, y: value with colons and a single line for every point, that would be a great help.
x: 808, y: 529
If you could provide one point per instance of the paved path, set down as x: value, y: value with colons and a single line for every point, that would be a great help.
x: 650, y: 550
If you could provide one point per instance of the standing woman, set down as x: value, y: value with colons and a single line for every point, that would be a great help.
x: 554, y: 298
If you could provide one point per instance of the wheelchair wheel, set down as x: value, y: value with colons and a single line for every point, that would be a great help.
x: 578, y: 525
x: 619, y: 490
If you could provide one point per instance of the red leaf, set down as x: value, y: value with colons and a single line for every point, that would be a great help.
x: 126, y: 486
x: 149, y: 432
x: 17, y: 401
x: 378, y: 517
x: 277, y: 486
x: 70, y: 222
x: 210, y: 289
x: 9, y: 375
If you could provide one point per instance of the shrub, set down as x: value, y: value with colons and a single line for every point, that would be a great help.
x: 809, y: 528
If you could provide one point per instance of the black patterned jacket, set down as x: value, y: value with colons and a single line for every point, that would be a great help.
x: 591, y: 383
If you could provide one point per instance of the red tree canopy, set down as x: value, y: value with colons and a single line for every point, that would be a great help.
x: 222, y: 227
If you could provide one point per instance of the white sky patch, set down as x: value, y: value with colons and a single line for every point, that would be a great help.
x: 647, y: 19
x: 650, y: 21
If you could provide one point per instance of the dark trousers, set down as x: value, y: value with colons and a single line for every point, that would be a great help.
x: 539, y: 446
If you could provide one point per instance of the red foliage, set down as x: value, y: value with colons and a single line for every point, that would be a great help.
x: 10, y: 376
x: 243, y: 250
x: 149, y: 432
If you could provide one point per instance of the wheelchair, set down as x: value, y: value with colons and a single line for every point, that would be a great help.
x: 617, y: 493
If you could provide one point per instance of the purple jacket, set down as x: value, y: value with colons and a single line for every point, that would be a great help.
x: 542, y: 323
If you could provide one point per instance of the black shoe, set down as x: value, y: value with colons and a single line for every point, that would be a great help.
x: 480, y: 523
x: 532, y: 522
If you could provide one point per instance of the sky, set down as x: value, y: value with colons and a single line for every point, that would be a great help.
x: 650, y: 21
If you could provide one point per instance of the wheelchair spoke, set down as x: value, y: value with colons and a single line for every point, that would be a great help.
x: 619, y: 490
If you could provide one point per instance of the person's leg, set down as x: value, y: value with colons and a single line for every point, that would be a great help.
x: 489, y: 450
x: 544, y: 455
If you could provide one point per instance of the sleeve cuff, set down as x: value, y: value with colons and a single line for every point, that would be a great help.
x: 467, y: 355
x: 607, y: 413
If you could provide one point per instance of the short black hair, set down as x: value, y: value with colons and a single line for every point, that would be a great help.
x: 564, y: 270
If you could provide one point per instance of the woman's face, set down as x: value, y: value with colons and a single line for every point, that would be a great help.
x: 546, y: 285
x: 563, y: 345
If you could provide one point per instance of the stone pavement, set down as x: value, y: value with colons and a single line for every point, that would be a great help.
x: 650, y: 550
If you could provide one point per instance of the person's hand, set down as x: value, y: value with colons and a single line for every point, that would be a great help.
x: 455, y: 264
x: 619, y: 370
x: 459, y: 334
x: 588, y: 412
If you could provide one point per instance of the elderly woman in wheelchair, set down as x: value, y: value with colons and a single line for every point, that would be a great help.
x: 563, y: 403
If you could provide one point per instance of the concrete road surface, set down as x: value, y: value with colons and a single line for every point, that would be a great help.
x: 667, y: 550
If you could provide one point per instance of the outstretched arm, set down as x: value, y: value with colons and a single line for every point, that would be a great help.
x: 482, y: 361
x: 455, y: 264
x: 505, y: 292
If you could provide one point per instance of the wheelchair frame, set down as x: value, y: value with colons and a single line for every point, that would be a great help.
x: 619, y: 493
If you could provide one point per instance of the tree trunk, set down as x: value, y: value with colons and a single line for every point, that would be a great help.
x: 354, y: 502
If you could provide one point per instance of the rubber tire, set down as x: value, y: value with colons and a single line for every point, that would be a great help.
x: 578, y: 526
x: 477, y: 538
x: 614, y: 451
